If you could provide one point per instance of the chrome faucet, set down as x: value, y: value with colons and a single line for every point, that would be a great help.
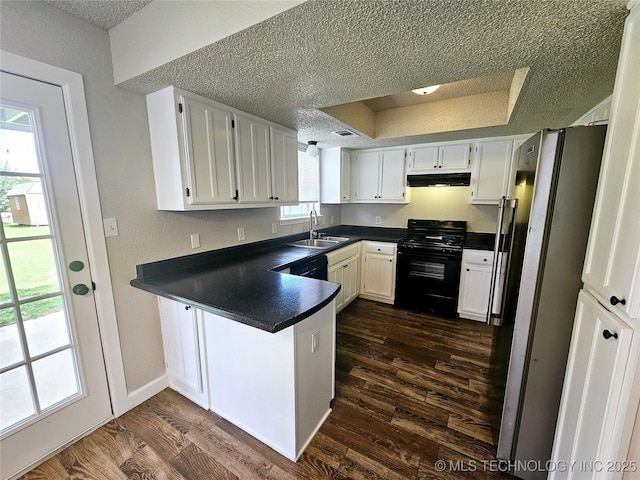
x: 312, y: 214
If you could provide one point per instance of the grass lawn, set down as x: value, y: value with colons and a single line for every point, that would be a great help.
x: 34, y: 271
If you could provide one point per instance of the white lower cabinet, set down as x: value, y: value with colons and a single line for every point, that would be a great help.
x: 475, y: 284
x: 378, y: 271
x: 182, y: 336
x: 589, y: 421
x: 277, y: 387
x: 344, y: 268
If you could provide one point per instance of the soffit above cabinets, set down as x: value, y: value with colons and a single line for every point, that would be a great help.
x: 474, y: 103
x: 291, y: 67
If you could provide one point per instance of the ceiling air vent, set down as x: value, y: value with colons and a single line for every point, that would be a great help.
x: 345, y: 133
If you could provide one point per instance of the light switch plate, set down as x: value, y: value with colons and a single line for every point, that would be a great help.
x: 110, y: 227
x: 195, y: 240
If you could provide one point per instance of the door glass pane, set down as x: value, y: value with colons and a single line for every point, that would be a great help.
x: 45, y: 325
x: 34, y: 268
x: 5, y: 296
x: 10, y: 345
x: 15, y: 397
x: 55, y: 378
x: 19, y: 151
x: 23, y: 207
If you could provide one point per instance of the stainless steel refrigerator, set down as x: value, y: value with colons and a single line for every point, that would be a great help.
x: 542, y: 233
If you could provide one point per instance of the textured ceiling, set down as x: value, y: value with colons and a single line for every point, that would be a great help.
x: 329, y: 52
x: 105, y: 14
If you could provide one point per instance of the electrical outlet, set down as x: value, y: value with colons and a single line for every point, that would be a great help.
x: 110, y: 227
x: 195, y: 240
x: 240, y: 233
x: 315, y: 340
x: 378, y: 220
x: 332, y: 219
x: 274, y: 227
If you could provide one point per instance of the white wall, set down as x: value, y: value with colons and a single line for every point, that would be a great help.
x: 120, y: 135
x: 431, y: 203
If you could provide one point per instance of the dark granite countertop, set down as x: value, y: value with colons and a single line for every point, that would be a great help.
x: 480, y: 241
x: 243, y: 283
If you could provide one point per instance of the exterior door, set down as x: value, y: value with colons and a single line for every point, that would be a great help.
x: 53, y: 385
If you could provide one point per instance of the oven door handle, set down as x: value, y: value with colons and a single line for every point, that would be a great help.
x: 429, y: 256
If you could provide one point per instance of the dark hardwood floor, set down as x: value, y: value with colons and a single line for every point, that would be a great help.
x: 411, y: 390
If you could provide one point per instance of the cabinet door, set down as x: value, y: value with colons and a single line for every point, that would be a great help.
x: 184, y: 349
x: 253, y: 158
x: 490, y: 174
x: 366, y: 176
x: 345, y: 176
x: 588, y: 423
x: 392, y: 184
x: 612, y: 265
x: 209, y: 151
x: 284, y: 166
x: 423, y: 159
x: 336, y: 274
x: 351, y: 280
x: 379, y: 273
x: 475, y: 281
x: 454, y: 156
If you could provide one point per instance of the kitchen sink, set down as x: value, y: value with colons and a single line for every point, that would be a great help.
x: 337, y: 239
x: 315, y: 243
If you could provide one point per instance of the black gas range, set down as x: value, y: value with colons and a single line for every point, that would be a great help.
x: 428, y: 267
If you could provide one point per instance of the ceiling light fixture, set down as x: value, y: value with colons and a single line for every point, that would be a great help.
x: 426, y: 90
x: 312, y: 149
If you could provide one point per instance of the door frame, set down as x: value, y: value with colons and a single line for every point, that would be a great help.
x: 75, y: 104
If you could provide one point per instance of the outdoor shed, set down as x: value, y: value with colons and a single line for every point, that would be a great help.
x: 27, y: 204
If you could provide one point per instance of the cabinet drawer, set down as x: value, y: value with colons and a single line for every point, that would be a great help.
x: 478, y: 257
x: 383, y: 248
x: 342, y: 254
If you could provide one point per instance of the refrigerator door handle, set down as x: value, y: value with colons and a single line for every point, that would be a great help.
x: 496, y: 255
x: 496, y: 265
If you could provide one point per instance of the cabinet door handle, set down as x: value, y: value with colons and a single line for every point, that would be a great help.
x: 615, y: 300
x: 607, y: 335
x: 187, y: 307
x: 467, y: 269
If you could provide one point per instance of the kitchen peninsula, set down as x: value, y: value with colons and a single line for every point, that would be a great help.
x: 253, y: 345
x: 247, y: 340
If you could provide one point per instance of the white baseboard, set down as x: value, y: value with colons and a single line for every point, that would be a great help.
x: 147, y: 391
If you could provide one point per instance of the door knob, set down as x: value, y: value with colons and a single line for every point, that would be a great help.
x: 80, y: 289
x: 615, y: 300
x: 607, y: 335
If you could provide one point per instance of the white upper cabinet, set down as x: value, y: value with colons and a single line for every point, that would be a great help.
x: 490, y: 171
x: 378, y: 176
x: 423, y: 159
x: 335, y: 175
x: 209, y: 156
x: 253, y: 159
x: 446, y: 157
x: 454, y: 157
x: 284, y: 165
x: 612, y: 265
